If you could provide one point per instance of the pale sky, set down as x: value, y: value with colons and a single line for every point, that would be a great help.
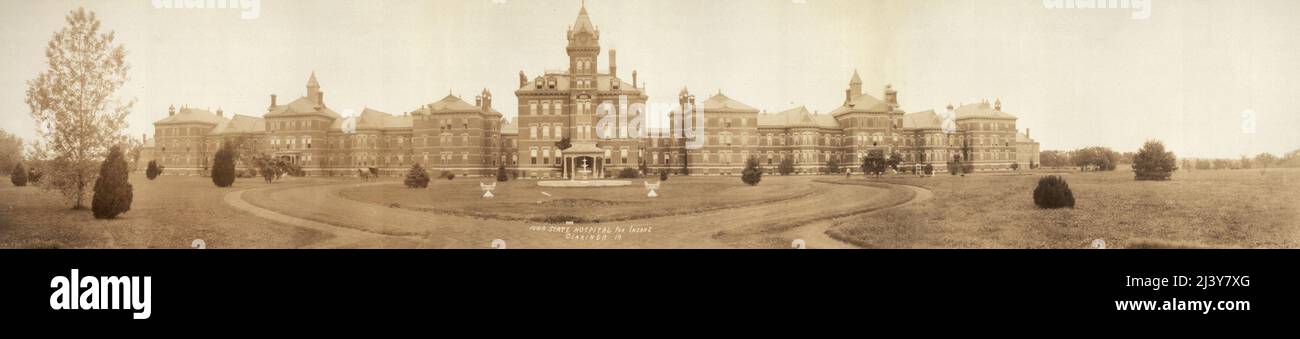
x: 1076, y: 77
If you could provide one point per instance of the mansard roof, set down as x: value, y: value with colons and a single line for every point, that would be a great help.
x: 562, y: 83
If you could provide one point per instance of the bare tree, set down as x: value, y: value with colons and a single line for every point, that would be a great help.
x: 77, y: 115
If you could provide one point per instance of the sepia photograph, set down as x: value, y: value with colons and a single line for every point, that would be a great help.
x: 667, y: 125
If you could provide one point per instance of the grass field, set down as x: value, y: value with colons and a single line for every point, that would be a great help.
x: 524, y: 200
x: 169, y: 212
x: 1197, y: 209
x: 1216, y: 209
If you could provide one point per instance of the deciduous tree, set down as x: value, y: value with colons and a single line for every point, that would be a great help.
x: 74, y: 105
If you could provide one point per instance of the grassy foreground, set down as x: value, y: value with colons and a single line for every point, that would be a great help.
x: 169, y: 212
x: 1197, y: 209
x: 524, y: 200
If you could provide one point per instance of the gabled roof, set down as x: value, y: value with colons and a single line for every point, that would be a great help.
x: 981, y: 110
x: 448, y: 104
x: 720, y: 102
x: 239, y: 124
x: 797, y: 117
x: 188, y: 115
x: 303, y: 106
x: 922, y: 120
x: 864, y: 103
x: 371, y: 119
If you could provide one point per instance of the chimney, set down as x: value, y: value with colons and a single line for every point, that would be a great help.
x: 171, y: 110
x: 220, y: 113
x: 320, y: 98
x: 998, y: 105
x: 1027, y: 133
x: 272, y: 100
x: 848, y: 97
x: 613, y: 62
x: 634, y: 79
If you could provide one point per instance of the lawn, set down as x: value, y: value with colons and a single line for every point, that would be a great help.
x: 1197, y: 209
x: 524, y: 200
x: 169, y: 212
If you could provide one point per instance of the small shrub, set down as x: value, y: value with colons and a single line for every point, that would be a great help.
x: 112, y: 191
x: 19, y: 175
x: 1015, y: 166
x: 786, y: 167
x: 929, y: 169
x: 752, y: 173
x: 968, y: 168
x: 223, y: 167
x: 1053, y: 192
x: 447, y: 175
x: 33, y: 176
x: 501, y: 174
x: 663, y: 175
x: 417, y: 177
x: 153, y: 170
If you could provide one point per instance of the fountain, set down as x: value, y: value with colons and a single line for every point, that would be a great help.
x: 584, y: 170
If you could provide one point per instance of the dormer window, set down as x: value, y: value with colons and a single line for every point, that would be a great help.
x: 538, y: 83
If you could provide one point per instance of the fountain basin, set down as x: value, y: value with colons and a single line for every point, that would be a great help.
x: 584, y: 183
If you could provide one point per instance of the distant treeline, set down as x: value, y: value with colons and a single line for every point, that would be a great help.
x: 1105, y: 159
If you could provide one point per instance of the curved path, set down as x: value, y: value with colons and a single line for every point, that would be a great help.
x: 814, y: 234
x: 369, y: 225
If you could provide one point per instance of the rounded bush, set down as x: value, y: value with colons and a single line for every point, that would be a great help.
x: 417, y: 177
x: 1053, y: 192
